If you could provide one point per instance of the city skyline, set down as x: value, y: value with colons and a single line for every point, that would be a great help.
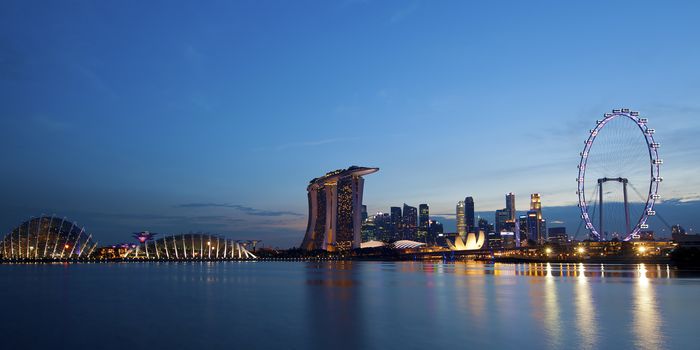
x: 113, y: 127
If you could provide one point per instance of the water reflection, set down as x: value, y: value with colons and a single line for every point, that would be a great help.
x: 334, y: 308
x: 552, y: 320
x: 585, y: 310
x: 647, y: 325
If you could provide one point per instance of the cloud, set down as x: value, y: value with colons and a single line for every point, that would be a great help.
x: 52, y: 125
x: 244, y: 209
x: 312, y: 143
x: 403, y: 13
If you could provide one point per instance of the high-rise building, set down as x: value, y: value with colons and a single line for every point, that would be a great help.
x: 396, y: 223
x: 383, y: 227
x: 435, y: 229
x: 502, y: 217
x: 423, y: 222
x: 461, y: 220
x: 369, y: 230
x: 557, y: 235
x: 335, y: 202
x: 364, y: 213
x: 522, y: 222
x: 469, y: 214
x: 510, y: 206
x: 537, y: 227
x: 485, y: 226
x: 410, y: 222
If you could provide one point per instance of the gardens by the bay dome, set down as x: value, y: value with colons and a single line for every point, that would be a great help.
x: 47, y: 238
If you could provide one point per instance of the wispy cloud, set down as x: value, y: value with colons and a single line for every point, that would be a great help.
x: 313, y: 143
x: 404, y: 12
x: 242, y: 208
x: 53, y: 125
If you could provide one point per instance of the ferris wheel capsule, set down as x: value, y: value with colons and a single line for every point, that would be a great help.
x: 625, y: 110
x: 616, y: 111
x: 634, y: 113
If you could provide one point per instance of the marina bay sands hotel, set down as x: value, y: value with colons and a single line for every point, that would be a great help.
x: 335, y: 205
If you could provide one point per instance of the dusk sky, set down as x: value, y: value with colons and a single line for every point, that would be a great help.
x: 183, y: 116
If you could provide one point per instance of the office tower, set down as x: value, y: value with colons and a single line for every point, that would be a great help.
x: 369, y: 230
x: 383, y: 229
x: 536, y: 227
x: 502, y: 217
x: 423, y: 222
x: 410, y: 222
x: 396, y: 223
x: 335, y: 202
x: 469, y: 214
x: 522, y: 222
x: 435, y: 229
x: 485, y: 226
x: 364, y: 213
x: 557, y: 235
x: 510, y: 206
x: 461, y: 222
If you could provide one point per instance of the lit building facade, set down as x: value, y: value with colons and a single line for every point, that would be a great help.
x: 335, y: 210
x: 423, y: 222
x: 47, y: 238
x: 396, y: 223
x: 191, y: 246
x: 502, y: 218
x: 461, y: 220
x: 536, y: 225
x: 410, y: 222
x: 469, y: 214
x: 510, y: 206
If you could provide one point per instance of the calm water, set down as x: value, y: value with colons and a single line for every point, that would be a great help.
x: 358, y: 305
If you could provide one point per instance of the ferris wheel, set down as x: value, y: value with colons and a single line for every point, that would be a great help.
x: 620, y: 152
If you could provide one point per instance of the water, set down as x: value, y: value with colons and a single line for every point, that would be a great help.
x: 347, y: 305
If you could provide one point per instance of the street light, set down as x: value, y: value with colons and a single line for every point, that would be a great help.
x: 581, y: 250
x: 548, y: 250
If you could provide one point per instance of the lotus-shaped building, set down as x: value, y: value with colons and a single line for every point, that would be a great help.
x: 473, y: 241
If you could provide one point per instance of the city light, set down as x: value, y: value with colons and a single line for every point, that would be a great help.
x: 548, y: 251
x: 642, y: 249
x: 580, y: 250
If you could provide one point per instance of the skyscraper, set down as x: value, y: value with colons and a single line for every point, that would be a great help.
x: 536, y: 224
x: 423, y: 222
x: 510, y: 206
x: 335, y: 202
x: 502, y: 218
x: 485, y: 226
x: 461, y: 221
x: 435, y: 229
x: 410, y: 222
x: 396, y: 223
x: 469, y: 214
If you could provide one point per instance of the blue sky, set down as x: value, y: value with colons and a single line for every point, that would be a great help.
x: 177, y: 116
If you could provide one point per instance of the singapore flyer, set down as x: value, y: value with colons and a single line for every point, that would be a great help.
x: 618, y: 176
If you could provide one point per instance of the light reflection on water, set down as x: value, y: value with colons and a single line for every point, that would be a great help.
x: 350, y: 305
